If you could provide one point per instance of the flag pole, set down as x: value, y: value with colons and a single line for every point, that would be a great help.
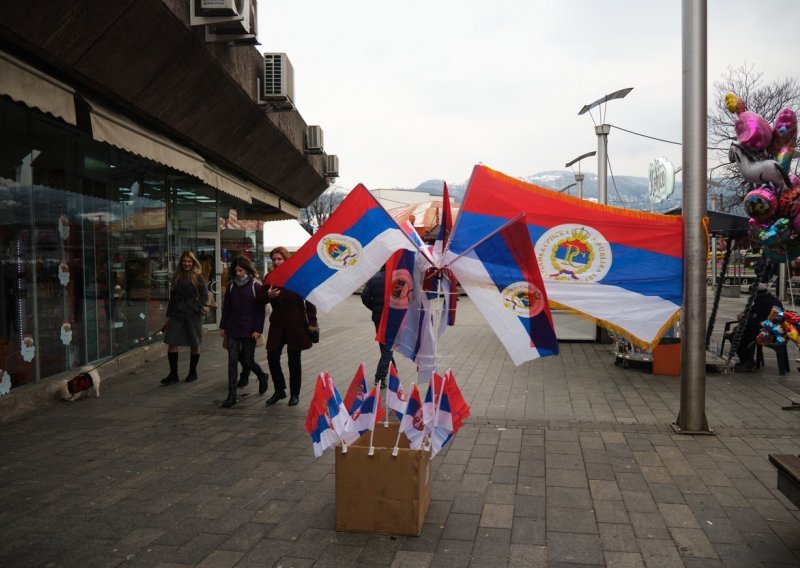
x: 396, y: 448
x: 375, y: 415
x: 386, y: 397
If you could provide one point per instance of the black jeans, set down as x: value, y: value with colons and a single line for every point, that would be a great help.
x: 240, y: 349
x: 295, y: 371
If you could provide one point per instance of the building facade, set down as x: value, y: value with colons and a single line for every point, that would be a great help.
x: 125, y: 139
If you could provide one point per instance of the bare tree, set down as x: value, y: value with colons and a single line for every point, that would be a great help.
x: 313, y: 216
x: 764, y: 99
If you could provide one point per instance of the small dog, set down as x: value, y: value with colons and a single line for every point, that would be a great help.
x: 80, y: 386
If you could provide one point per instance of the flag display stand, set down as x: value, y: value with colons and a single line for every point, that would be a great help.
x: 382, y: 493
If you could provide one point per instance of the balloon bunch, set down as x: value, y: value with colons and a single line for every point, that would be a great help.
x: 763, y: 154
x: 779, y: 327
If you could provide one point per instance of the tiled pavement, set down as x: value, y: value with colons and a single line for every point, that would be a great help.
x: 567, y: 461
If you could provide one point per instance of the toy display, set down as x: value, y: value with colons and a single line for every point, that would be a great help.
x: 763, y: 154
x: 779, y: 327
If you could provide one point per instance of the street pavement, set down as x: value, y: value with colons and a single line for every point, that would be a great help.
x: 566, y: 461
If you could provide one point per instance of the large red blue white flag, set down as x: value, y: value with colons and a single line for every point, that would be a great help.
x: 502, y: 278
x: 347, y: 249
x: 623, y: 268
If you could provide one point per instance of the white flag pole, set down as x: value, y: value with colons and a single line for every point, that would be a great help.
x: 374, y: 416
x: 386, y: 396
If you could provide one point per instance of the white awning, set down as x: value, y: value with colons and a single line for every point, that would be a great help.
x: 34, y: 89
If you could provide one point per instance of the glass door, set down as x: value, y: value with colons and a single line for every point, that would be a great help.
x: 205, y: 246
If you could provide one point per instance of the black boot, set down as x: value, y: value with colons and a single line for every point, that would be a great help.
x: 173, y: 369
x: 276, y: 396
x: 243, y: 381
x: 192, y: 376
x: 231, y: 400
x: 262, y: 382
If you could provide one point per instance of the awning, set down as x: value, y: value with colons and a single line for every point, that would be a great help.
x: 33, y: 88
x: 118, y: 131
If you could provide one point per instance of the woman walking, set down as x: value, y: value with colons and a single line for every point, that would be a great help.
x: 184, y: 318
x: 290, y: 324
x: 242, y: 323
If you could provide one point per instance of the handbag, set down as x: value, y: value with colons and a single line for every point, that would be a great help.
x: 211, y: 303
x: 312, y: 335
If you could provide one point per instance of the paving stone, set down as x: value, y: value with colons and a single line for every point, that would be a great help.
x: 409, y: 559
x: 617, y: 537
x: 456, y: 553
x: 492, y: 547
x: 623, y: 559
x: 574, y: 548
x: 461, y: 526
x: 649, y: 526
x: 566, y: 519
x: 660, y: 553
x: 470, y: 502
x: 497, y: 516
x: 610, y: 512
x: 639, y: 501
x: 527, y: 556
x: 528, y: 530
x: 602, y: 489
x: 692, y: 542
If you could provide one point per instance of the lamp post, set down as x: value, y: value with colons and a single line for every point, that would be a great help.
x: 579, y: 175
x: 563, y: 189
x: 602, y: 131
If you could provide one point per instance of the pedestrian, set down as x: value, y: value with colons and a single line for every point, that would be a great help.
x: 187, y: 298
x: 242, y: 323
x: 372, y: 296
x: 291, y: 323
x: 762, y: 305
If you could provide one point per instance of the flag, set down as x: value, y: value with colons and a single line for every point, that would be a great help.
x: 458, y: 406
x: 413, y: 423
x: 347, y: 249
x: 623, y: 268
x: 432, y: 397
x: 318, y: 424
x: 395, y: 395
x: 407, y: 320
x: 357, y: 391
x: 445, y: 227
x: 442, y: 426
x: 502, y: 278
x: 337, y: 412
x: 367, y: 413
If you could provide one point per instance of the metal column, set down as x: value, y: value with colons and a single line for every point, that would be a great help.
x: 579, y: 183
x: 602, y: 131
x: 692, y: 416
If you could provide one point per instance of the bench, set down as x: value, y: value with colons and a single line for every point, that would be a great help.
x: 788, y: 475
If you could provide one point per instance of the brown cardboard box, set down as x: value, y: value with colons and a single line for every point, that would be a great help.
x: 382, y: 493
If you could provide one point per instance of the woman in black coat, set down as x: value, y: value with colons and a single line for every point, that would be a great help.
x: 242, y: 323
x: 290, y: 323
x: 184, y: 318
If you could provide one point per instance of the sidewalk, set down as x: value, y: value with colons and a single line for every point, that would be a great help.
x: 566, y: 461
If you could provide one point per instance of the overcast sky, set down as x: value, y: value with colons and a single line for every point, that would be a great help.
x: 415, y: 90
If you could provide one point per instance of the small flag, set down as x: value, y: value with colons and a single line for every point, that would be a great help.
x: 367, y: 414
x: 413, y: 423
x: 337, y: 413
x: 458, y: 406
x: 396, y: 396
x: 357, y: 391
x: 442, y: 428
x: 317, y: 424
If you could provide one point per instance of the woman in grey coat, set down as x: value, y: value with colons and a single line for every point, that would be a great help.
x: 184, y: 318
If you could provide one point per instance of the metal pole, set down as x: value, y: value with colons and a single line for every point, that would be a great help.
x: 692, y: 416
x: 716, y: 202
x: 579, y: 183
x: 602, y: 131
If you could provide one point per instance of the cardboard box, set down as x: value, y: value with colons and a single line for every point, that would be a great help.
x: 382, y: 493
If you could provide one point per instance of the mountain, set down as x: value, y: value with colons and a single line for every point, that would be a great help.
x: 623, y: 191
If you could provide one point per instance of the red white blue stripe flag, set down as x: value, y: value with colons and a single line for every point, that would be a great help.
x: 621, y: 267
x: 502, y: 278
x: 347, y: 249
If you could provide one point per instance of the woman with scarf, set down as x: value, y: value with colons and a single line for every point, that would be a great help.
x: 242, y: 323
x: 184, y: 318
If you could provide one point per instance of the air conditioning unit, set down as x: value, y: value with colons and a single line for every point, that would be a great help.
x: 240, y: 28
x: 314, y: 140
x: 278, y: 80
x: 212, y: 8
x: 331, y: 166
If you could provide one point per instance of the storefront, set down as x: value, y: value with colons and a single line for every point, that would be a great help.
x: 104, y: 184
x: 89, y: 236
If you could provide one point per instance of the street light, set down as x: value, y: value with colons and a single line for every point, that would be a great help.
x: 579, y: 175
x: 563, y: 189
x: 602, y: 131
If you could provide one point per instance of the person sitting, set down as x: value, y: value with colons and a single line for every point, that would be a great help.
x: 762, y: 305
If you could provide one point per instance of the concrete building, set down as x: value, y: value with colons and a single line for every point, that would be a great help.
x: 129, y: 132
